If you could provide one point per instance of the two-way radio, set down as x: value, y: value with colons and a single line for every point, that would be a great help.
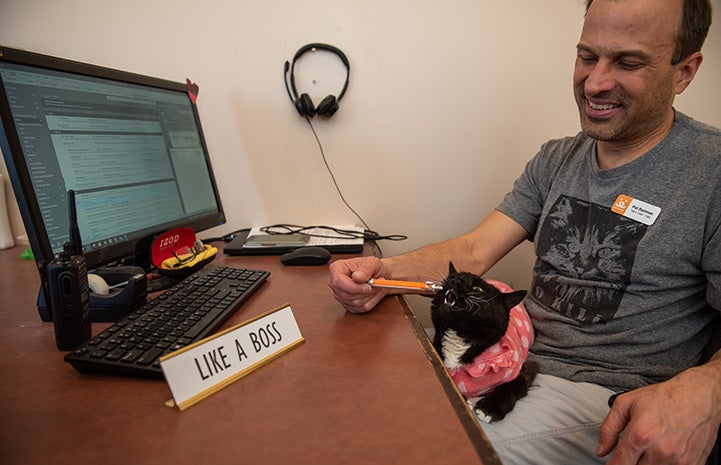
x: 69, y: 299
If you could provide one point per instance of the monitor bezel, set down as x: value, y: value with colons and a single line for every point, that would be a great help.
x: 137, y: 249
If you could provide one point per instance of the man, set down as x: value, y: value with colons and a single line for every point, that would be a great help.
x: 626, y: 223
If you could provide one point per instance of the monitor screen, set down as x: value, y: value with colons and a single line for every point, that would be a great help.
x: 130, y: 146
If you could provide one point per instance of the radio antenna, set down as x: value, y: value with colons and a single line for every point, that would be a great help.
x: 76, y: 243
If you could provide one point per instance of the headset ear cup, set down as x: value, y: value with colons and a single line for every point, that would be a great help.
x: 304, y: 105
x: 328, y: 106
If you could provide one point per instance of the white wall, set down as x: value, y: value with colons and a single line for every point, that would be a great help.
x: 447, y: 100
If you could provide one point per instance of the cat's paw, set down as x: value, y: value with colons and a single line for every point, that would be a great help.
x: 486, y: 412
x: 482, y: 416
x: 478, y: 412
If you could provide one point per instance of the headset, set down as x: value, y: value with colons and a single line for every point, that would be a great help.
x: 329, y: 105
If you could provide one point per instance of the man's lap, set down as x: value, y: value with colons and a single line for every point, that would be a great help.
x: 556, y: 423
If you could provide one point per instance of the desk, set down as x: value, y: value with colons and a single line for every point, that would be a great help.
x: 363, y: 389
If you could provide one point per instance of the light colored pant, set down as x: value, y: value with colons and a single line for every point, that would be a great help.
x: 557, y: 423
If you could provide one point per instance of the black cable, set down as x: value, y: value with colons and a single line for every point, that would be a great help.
x: 332, y: 176
x: 369, y: 234
x: 334, y: 232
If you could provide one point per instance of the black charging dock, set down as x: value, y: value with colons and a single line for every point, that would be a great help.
x: 118, y: 302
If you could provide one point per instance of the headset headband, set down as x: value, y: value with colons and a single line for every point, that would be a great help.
x: 314, y: 47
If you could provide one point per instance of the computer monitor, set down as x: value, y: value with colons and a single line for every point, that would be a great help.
x: 130, y: 146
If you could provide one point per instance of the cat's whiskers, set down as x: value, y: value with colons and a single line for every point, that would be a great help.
x: 476, y: 300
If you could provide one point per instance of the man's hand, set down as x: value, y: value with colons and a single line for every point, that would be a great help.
x: 674, y: 422
x: 348, y: 280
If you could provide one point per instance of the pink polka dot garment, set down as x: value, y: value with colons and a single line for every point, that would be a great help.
x: 502, y: 361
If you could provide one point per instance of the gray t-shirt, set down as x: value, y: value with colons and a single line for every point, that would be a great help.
x: 623, y: 301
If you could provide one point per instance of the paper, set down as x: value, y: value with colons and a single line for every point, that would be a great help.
x: 324, y: 236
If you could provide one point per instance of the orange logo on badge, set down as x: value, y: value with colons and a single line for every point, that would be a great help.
x: 621, y: 204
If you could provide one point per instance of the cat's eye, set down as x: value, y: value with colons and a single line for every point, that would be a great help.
x: 606, y: 252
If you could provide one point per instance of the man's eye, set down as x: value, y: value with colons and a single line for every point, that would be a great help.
x: 587, y: 59
x: 629, y: 65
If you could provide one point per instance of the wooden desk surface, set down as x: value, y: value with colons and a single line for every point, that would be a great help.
x: 363, y: 389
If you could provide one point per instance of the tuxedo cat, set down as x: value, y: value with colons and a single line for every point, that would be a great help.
x: 483, y: 334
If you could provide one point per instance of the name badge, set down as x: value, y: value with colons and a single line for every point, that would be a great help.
x: 203, y: 368
x: 635, y: 209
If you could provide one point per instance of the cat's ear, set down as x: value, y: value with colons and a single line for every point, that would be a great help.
x: 511, y: 299
x: 451, y: 269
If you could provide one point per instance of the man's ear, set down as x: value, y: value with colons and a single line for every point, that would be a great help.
x: 686, y: 70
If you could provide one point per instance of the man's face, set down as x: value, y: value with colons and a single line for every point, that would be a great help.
x: 623, y: 79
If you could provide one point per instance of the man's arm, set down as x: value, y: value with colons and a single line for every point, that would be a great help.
x: 674, y: 422
x: 476, y: 251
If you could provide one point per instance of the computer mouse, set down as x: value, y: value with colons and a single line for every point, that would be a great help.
x: 306, y: 256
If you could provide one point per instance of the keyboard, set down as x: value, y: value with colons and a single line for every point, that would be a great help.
x: 185, y: 313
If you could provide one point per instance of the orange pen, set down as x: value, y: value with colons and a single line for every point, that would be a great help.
x: 428, y: 286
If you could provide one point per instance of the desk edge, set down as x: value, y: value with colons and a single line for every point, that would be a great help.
x: 476, y: 435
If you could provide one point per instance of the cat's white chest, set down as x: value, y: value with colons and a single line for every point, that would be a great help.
x: 453, y: 348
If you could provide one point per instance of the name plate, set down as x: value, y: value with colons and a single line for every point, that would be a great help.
x: 205, y: 367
